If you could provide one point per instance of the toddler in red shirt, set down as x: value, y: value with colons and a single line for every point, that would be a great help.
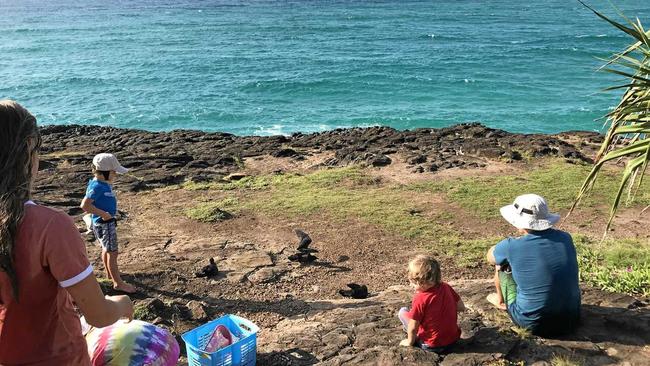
x: 432, y: 322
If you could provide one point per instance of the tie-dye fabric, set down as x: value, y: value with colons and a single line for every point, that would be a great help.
x: 136, y: 343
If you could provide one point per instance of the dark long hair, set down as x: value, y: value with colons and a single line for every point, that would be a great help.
x: 19, y: 140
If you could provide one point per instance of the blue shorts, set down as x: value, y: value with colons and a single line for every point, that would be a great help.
x: 106, y: 233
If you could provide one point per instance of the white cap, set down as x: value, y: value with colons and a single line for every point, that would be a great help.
x: 108, y: 162
x: 529, y: 211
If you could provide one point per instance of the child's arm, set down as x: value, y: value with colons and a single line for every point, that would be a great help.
x: 460, y: 306
x: 412, y: 333
x: 87, y: 206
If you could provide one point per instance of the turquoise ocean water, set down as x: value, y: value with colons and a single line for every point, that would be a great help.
x: 270, y: 67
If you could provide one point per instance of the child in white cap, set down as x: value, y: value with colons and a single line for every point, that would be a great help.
x: 100, y: 201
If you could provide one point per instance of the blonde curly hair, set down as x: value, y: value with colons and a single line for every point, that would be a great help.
x: 424, y: 270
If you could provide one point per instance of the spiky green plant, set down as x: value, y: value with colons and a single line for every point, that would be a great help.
x: 628, y: 136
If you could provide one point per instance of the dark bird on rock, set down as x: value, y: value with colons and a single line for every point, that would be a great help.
x: 302, y: 257
x: 305, y: 240
x: 356, y: 291
x: 209, y: 270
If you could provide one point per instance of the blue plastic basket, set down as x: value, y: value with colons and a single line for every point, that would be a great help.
x: 242, y: 352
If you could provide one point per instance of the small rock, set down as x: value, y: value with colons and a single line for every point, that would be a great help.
x: 158, y: 321
x: 197, y: 310
x: 418, y: 159
x: 265, y: 275
x: 380, y: 160
x: 239, y: 246
x: 284, y: 153
x: 154, y: 305
x: 236, y: 276
x: 235, y: 176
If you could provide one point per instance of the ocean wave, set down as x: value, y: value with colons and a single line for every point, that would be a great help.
x: 271, y: 130
x: 600, y: 36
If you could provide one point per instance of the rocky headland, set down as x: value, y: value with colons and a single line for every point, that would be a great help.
x: 303, y: 319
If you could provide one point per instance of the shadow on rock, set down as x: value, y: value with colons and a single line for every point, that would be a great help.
x: 291, y: 357
x: 331, y: 266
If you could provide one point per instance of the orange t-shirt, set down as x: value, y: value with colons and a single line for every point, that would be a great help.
x: 42, y: 327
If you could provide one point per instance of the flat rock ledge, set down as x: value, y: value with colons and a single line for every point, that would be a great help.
x: 367, y: 332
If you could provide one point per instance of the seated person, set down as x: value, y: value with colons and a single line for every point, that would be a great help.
x: 536, y: 275
x: 432, y: 322
x: 133, y: 343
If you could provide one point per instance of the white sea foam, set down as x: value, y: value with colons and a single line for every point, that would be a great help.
x: 271, y: 130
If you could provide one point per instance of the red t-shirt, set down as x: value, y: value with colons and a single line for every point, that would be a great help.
x: 42, y: 328
x: 436, y: 311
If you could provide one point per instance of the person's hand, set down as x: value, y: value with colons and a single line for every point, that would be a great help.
x: 106, y: 216
x: 405, y: 343
x: 125, y: 305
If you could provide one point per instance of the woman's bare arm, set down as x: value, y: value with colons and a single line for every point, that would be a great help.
x: 99, y: 310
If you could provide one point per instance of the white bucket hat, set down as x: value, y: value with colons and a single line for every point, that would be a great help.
x: 108, y: 162
x: 529, y: 211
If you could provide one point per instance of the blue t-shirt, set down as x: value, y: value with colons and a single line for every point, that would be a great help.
x: 545, y: 268
x: 103, y: 197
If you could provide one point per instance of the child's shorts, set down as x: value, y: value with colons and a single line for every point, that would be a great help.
x: 106, y: 233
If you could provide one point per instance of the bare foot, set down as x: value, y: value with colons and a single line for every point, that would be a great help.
x: 494, y: 299
x: 125, y: 287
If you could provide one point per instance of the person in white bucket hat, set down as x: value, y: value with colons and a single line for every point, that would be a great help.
x: 536, y: 274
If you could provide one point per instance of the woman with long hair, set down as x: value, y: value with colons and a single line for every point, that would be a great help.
x: 43, y: 263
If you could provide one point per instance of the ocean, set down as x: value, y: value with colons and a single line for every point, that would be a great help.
x: 278, y: 67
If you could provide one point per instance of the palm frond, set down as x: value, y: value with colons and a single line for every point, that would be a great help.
x: 628, y: 135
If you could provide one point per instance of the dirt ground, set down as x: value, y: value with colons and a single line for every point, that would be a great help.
x: 161, y: 249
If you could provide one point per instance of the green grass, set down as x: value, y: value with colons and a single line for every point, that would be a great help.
x: 342, y: 194
x: 565, y: 360
x: 615, y: 265
x: 244, y: 183
x: 349, y: 193
x: 468, y: 252
x: 213, y: 211
x: 558, y: 182
x: 142, y: 312
x: 345, y: 194
x: 521, y: 333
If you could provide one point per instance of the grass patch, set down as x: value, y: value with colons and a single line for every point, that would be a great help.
x: 349, y: 193
x: 615, y: 265
x: 468, y: 252
x: 504, y: 362
x: 64, y: 154
x: 558, y: 182
x: 213, y: 211
x: 565, y: 360
x: 142, y: 312
x: 254, y: 183
x: 521, y: 333
x: 346, y: 193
